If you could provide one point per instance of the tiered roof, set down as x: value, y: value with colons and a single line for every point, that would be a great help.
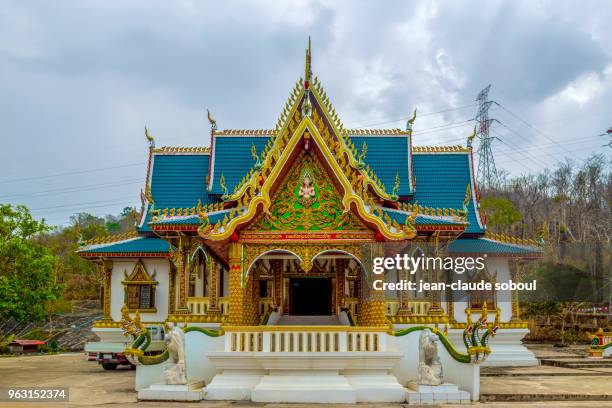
x: 431, y: 188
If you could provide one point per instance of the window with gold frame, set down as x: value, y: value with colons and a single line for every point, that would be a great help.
x: 140, y: 289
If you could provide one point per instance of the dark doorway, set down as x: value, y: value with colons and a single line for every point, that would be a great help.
x: 311, y: 296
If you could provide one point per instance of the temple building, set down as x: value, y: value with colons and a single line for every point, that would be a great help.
x: 265, y: 230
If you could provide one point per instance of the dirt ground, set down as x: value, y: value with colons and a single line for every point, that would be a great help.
x: 89, y: 385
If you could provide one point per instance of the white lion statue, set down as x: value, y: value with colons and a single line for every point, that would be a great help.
x: 175, y: 343
x: 430, y: 368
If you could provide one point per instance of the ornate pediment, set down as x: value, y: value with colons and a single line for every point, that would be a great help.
x: 307, y: 200
x: 139, y: 276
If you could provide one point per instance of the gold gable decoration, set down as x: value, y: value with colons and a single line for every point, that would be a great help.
x: 295, y: 208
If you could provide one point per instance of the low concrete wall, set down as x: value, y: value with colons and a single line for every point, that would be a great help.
x: 198, y: 366
x: 466, y: 376
x: 197, y: 347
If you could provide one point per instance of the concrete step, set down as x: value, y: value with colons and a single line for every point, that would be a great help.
x: 289, y: 320
x: 578, y: 363
x: 542, y: 397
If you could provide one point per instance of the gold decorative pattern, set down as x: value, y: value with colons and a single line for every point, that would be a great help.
x: 510, y: 240
x: 107, y: 272
x: 306, y: 252
x: 323, y: 212
x: 179, y: 256
x: 375, y: 132
x: 255, y: 198
x: 399, y: 319
x: 107, y: 239
x: 245, y: 132
x: 140, y: 276
x: 186, y: 150
x: 455, y: 215
x: 441, y: 149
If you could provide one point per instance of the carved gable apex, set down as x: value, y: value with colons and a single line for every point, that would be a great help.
x: 139, y: 275
x: 307, y: 200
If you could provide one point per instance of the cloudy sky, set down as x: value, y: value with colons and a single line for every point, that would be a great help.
x: 79, y: 80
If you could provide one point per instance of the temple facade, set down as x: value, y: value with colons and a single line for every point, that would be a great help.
x: 278, y: 228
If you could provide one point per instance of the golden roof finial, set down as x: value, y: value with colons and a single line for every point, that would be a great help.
x: 211, y: 120
x: 411, y: 121
x: 149, y: 138
x: 308, y: 67
x: 471, y: 137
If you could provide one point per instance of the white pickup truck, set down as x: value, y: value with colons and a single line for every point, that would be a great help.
x: 109, y: 350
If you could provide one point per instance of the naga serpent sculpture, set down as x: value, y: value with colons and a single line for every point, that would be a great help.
x: 141, y: 339
x: 477, y: 345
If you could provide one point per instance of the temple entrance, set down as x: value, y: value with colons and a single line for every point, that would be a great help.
x: 311, y: 296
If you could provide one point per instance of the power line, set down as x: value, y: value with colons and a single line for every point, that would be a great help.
x: 533, y: 128
x: 113, y: 200
x: 420, y: 115
x: 70, y: 173
x: 59, y: 191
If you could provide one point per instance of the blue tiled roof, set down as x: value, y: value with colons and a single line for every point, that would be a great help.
x: 421, y: 219
x: 178, y: 181
x: 387, y: 156
x: 489, y: 246
x: 140, y: 245
x: 233, y: 159
x: 441, y: 180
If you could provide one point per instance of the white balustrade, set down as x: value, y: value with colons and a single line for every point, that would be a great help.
x: 199, y: 305
x: 277, y: 339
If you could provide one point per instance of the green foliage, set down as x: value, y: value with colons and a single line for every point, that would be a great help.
x: 558, y: 283
x: 534, y: 309
x: 27, y: 268
x: 80, y: 278
x: 52, y: 346
x: 501, y: 212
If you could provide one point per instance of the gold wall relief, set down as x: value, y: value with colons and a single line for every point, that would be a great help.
x: 306, y: 252
x: 107, y: 272
x: 307, y: 201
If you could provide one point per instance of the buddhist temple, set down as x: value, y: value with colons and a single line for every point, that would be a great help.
x: 261, y: 244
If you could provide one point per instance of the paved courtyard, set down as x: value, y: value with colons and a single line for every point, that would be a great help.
x: 91, y: 386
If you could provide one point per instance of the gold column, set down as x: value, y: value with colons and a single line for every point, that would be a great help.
x: 371, y: 302
x: 340, y: 265
x: 435, y: 309
x: 171, y: 287
x: 213, y: 297
x: 107, y: 272
x: 277, y: 268
x: 180, y: 260
x: 515, y: 276
x: 403, y: 309
x: 243, y: 311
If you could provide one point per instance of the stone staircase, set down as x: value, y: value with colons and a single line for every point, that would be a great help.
x: 577, y: 362
x: 288, y: 320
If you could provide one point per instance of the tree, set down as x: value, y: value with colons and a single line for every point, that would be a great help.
x: 501, y: 212
x: 27, y: 268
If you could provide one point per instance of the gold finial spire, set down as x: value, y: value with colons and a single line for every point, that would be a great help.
x: 411, y: 121
x: 211, y: 120
x: 149, y: 138
x: 471, y: 137
x: 308, y: 67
